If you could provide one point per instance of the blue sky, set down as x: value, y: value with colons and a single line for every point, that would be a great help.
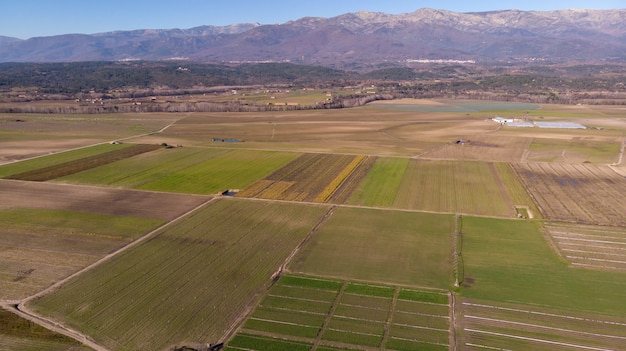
x: 31, y: 18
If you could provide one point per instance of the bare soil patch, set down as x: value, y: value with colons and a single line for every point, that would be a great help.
x: 582, y: 193
x: 119, y: 202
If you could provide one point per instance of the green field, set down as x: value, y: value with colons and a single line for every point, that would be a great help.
x: 384, y: 245
x: 470, y: 187
x: 190, y: 281
x: 136, y: 171
x: 385, y: 176
x: 57, y: 159
x: 373, y: 268
x: 510, y: 261
x: 186, y: 170
x: 75, y: 166
x: 345, y: 315
x: 235, y: 169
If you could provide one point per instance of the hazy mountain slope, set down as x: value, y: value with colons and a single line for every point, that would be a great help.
x: 355, y: 39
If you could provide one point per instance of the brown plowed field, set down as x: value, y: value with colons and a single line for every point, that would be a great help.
x: 482, y: 148
x: 583, y: 193
x: 130, y: 203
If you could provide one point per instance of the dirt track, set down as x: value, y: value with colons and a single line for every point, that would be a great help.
x: 23, y: 311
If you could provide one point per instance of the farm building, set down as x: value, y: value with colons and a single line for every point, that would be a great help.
x: 502, y: 120
x: 521, y: 124
x: 560, y: 125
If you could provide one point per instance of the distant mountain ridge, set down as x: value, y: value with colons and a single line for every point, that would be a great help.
x: 356, y: 40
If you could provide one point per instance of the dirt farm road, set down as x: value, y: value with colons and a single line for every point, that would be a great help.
x: 20, y: 308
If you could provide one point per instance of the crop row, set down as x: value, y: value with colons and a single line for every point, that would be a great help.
x: 334, y: 185
x: 235, y: 169
x: 310, y: 177
x: 584, y: 193
x: 142, y: 169
x: 82, y: 164
x: 55, y: 159
x: 462, y: 187
x: 594, y: 247
x: 349, y: 186
x: 520, y: 327
x: 352, y: 314
x: 171, y: 288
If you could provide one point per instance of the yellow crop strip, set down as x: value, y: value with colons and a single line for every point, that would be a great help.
x: 339, y: 180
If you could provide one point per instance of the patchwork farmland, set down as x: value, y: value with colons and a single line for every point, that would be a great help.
x: 348, y: 232
x: 322, y: 314
x: 310, y: 177
x: 188, y: 281
x: 50, y: 232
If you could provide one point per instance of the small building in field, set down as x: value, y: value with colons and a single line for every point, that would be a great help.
x: 503, y: 120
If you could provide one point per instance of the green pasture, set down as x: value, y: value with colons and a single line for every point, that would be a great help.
x: 462, y: 187
x: 190, y: 281
x: 236, y: 169
x: 56, y: 159
x: 385, y: 176
x: 510, y: 261
x: 186, y: 170
x: 139, y: 170
x: 388, y: 246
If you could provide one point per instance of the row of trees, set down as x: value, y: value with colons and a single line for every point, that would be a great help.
x: 232, y: 106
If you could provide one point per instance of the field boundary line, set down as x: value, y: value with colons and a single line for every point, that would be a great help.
x: 291, y: 310
x: 389, y: 321
x: 591, y: 241
x: 595, y: 266
x: 340, y: 316
x: 452, y: 319
x: 366, y: 307
x: 318, y: 225
x: 538, y: 340
x: 329, y: 316
x: 419, y: 341
x: 595, y: 252
x: 281, y: 322
x: 545, y: 327
x: 486, y: 347
x: 544, y: 314
x: 596, y: 259
x: 422, y: 327
x: 55, y: 327
x: 48, y: 323
x: 296, y: 298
